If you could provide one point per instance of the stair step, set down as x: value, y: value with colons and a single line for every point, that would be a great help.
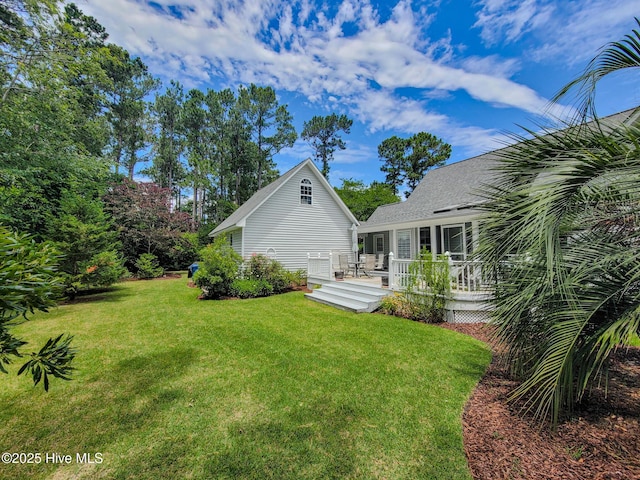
x: 348, y: 293
x: 359, y: 287
x: 342, y: 303
x: 352, y: 296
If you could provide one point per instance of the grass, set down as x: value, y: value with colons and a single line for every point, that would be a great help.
x: 171, y: 387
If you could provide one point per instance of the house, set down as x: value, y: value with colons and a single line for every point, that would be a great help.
x: 297, y: 214
x: 442, y: 213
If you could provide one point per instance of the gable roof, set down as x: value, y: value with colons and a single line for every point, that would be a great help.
x: 452, y: 190
x: 237, y: 219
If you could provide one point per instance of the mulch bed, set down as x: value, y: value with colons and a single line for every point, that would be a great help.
x: 599, y: 442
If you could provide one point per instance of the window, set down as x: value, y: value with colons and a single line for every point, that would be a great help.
x: 378, y: 243
x: 404, y: 244
x: 425, y: 238
x: 305, y: 192
x: 453, y: 241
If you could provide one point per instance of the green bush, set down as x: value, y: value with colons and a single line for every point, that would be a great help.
x: 261, y: 267
x: 428, y: 287
x: 148, y: 266
x: 29, y: 281
x: 104, y: 269
x: 251, y: 288
x: 219, y: 266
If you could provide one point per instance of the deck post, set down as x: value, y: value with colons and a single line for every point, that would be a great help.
x: 392, y: 273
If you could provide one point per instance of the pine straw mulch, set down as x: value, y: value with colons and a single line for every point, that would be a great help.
x: 601, y: 441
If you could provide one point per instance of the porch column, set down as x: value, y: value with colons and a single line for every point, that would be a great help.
x: 434, y: 244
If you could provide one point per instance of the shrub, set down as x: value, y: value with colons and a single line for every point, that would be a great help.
x: 219, y: 267
x: 148, y: 266
x: 260, y: 267
x: 251, y: 288
x: 428, y: 287
x: 104, y: 269
x: 397, y: 305
x: 29, y: 281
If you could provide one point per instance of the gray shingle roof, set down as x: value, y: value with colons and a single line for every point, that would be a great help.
x: 442, y: 191
x: 451, y: 189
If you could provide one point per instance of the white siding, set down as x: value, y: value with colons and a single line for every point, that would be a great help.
x: 292, y: 230
x: 235, y: 238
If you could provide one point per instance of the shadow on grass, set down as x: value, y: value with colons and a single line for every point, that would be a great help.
x: 107, y: 294
x: 313, y: 441
x: 88, y: 417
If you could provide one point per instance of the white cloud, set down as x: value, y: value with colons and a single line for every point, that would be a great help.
x: 508, y: 20
x: 294, y: 46
x: 563, y: 31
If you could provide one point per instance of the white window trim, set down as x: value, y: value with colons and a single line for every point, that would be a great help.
x: 306, y: 183
x: 375, y: 243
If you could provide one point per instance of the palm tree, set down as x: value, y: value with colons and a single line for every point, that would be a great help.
x: 564, y: 210
x: 613, y: 57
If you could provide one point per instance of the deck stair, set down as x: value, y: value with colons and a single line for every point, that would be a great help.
x: 351, y: 296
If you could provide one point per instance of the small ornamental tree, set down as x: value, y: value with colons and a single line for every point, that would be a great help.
x: 145, y: 221
x: 29, y: 282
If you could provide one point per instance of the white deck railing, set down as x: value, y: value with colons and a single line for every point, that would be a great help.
x: 319, y: 266
x: 466, y: 276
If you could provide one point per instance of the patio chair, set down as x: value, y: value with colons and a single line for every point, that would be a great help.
x: 379, y: 262
x: 369, y: 264
x: 345, y: 265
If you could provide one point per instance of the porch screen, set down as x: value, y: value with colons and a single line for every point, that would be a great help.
x: 425, y: 238
x: 404, y: 244
x: 453, y: 241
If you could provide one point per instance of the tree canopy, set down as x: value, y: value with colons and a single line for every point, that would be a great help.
x: 407, y: 160
x: 323, y: 134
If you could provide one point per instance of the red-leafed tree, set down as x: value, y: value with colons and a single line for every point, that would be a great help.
x: 146, y: 223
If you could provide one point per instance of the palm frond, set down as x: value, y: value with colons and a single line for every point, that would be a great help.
x: 613, y: 57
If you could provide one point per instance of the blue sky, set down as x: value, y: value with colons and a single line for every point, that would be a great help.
x: 466, y: 71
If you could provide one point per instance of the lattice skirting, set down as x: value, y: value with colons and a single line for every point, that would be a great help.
x: 467, y: 316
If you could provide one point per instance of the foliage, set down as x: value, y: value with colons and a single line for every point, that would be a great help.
x: 183, y: 252
x: 251, y: 288
x: 148, y: 267
x: 29, y: 282
x: 270, y: 124
x: 261, y: 267
x: 323, y: 135
x: 428, y: 286
x: 104, y: 269
x: 408, y: 160
x: 219, y: 267
x: 426, y: 293
x: 397, y: 305
x: 568, y: 205
x: 297, y: 278
x: 146, y: 223
x: 363, y: 200
x: 129, y: 83
x: 612, y: 58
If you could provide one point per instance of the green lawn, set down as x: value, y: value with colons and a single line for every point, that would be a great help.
x: 171, y: 387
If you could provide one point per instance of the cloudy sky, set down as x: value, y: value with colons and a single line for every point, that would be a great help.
x: 466, y: 71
